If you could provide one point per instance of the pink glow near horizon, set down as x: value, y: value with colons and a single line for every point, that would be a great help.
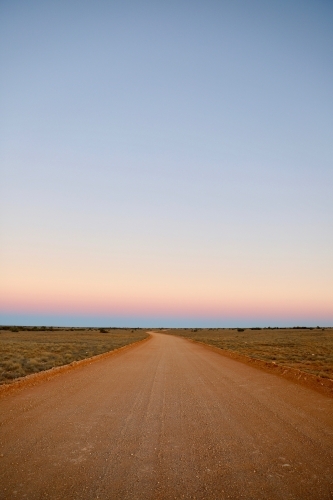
x: 134, y: 197
x: 170, y: 307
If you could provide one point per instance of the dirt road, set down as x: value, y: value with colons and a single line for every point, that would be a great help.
x: 166, y: 419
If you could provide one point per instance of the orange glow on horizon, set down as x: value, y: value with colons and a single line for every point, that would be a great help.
x: 159, y: 306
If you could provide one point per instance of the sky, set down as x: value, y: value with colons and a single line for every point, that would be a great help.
x: 166, y: 163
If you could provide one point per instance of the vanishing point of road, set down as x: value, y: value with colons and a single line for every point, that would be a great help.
x: 166, y: 419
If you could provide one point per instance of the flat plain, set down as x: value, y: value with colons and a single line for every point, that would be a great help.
x: 25, y: 350
x: 166, y: 419
x: 307, y: 349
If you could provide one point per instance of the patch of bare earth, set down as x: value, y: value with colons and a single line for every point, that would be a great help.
x: 304, y: 355
x: 166, y: 419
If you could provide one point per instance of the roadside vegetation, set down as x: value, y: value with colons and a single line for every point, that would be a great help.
x: 26, y: 350
x: 307, y: 349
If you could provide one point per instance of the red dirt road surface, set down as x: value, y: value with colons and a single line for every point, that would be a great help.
x: 166, y: 419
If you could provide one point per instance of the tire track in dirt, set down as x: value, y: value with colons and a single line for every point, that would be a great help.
x: 165, y: 419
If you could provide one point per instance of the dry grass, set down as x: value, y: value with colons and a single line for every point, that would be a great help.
x: 309, y: 350
x: 29, y: 350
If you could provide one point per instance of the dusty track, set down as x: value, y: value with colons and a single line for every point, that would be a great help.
x: 166, y: 419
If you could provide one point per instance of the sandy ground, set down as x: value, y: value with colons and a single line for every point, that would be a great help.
x: 166, y: 419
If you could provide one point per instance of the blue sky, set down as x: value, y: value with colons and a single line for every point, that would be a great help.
x: 166, y: 160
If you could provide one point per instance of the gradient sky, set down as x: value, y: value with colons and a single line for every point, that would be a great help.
x: 166, y: 163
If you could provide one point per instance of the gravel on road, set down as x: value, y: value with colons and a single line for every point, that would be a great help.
x: 166, y: 419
